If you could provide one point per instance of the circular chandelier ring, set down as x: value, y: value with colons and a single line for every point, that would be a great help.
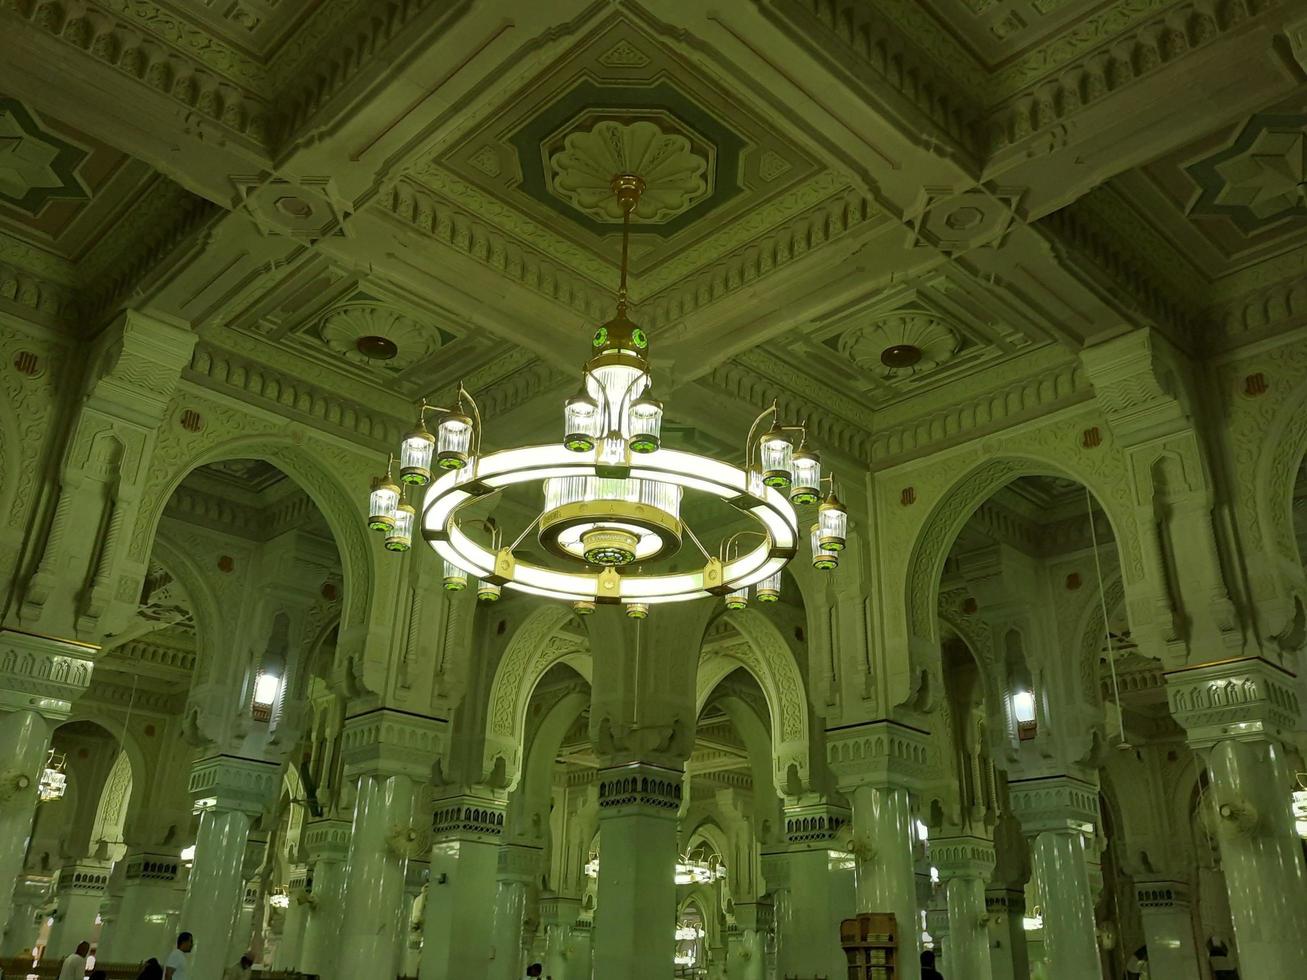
x: 742, y: 489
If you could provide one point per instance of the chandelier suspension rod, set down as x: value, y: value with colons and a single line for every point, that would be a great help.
x: 628, y: 205
x: 1107, y: 626
x: 525, y: 531
x: 695, y: 538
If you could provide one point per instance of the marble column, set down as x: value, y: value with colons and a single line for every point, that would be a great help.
x: 937, y: 924
x: 326, y: 844
x: 884, y: 868
x: 1006, y: 908
x: 812, y: 884
x: 386, y: 753
x: 746, y: 945
x: 242, y: 933
x: 1056, y: 814
x: 79, y: 889
x: 517, y: 866
x: 635, y: 915
x: 299, y: 886
x: 25, y: 735
x: 31, y: 893
x: 1238, y: 716
x: 581, y: 962
x: 147, y: 909
x: 558, y: 916
x: 458, y: 930
x: 1168, y: 929
x: 229, y: 793
x: 410, y: 943
x: 965, y: 863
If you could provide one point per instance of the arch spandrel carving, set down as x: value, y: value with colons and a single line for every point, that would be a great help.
x: 534, y: 648
x: 766, y: 655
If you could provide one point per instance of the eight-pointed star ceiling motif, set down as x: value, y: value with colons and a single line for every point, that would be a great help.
x: 36, y: 166
x: 1259, y: 177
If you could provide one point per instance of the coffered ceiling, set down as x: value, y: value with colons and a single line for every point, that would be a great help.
x: 857, y: 208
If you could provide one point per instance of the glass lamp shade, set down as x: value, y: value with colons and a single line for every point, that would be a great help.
x: 583, y: 607
x: 400, y: 537
x: 455, y: 578
x: 822, y: 559
x: 582, y: 422
x: 382, y: 503
x: 646, y: 423
x: 806, y: 467
x: 266, y: 686
x: 489, y: 591
x: 454, y: 441
x: 769, y: 589
x: 834, y: 521
x: 1023, y: 706
x: 738, y: 598
x: 415, y: 457
x: 775, y: 453
x: 637, y: 610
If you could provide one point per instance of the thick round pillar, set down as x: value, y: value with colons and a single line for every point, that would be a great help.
x: 294, y: 921
x: 25, y: 736
x: 1057, y: 859
x: 1261, y: 856
x: 635, y: 916
x: 78, y: 891
x: 965, y: 863
x: 506, y: 939
x: 374, y: 879
x: 147, y: 910
x: 458, y: 929
x: 1164, y: 910
x: 30, y: 894
x: 230, y: 792
x: 884, y: 867
x: 326, y: 843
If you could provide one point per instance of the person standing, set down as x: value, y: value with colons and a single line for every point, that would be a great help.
x: 178, y: 966
x: 241, y: 970
x: 74, y: 966
x: 151, y: 971
x: 928, y: 971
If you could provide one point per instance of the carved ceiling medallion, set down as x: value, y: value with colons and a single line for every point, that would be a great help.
x: 901, y: 344
x: 376, y: 336
x: 674, y: 173
x: 35, y: 166
x: 1259, y: 178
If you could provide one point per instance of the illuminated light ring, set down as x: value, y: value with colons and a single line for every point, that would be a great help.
x: 456, y: 489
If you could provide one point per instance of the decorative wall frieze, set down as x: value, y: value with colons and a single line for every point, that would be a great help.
x: 1248, y: 699
x: 1054, y: 803
x: 42, y: 674
x: 880, y: 753
x: 962, y: 857
x: 33, y: 294
x: 152, y: 868
x: 109, y: 690
x: 120, y: 45
x: 388, y: 742
x: 467, y: 817
x: 820, y: 824
x: 83, y: 878
x: 227, y: 782
x: 519, y: 862
x: 1162, y: 896
x: 1075, y: 71
x: 640, y: 787
x: 212, y: 367
x: 326, y: 840
x: 469, y: 235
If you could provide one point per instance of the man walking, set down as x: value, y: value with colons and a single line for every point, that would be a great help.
x: 74, y: 966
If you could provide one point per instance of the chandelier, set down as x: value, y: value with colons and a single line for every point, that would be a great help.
x: 699, y: 867
x: 611, y: 516
x: 54, y: 780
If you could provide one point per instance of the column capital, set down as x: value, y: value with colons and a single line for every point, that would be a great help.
x: 1054, y: 803
x: 814, y: 826
x: 518, y: 862
x: 758, y: 916
x: 228, y: 782
x: 1005, y: 901
x: 640, y: 786
x: 962, y: 857
x: 389, y: 742
x: 879, y: 753
x: 152, y: 867
x: 300, y: 882
x: 327, y: 840
x: 468, y: 817
x: 89, y: 877
x: 1162, y: 895
x: 42, y: 673
x: 1249, y: 699
x: 558, y: 910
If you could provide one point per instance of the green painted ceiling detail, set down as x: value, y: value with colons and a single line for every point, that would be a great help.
x: 36, y: 166
x: 1257, y: 180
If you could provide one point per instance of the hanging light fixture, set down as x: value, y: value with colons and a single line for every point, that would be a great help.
x: 383, y: 500
x: 54, y: 781
x: 400, y: 535
x: 612, y: 493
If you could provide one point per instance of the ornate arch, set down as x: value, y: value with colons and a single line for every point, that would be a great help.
x: 956, y: 506
x: 111, y: 814
x: 765, y: 654
x: 534, y: 648
x: 11, y: 454
x: 204, y: 604
x: 1091, y: 631
x: 1283, y: 448
x: 314, y: 468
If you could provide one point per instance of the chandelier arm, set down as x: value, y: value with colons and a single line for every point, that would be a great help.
x: 476, y: 414
x: 525, y: 531
x: 725, y: 548
x: 748, y: 443
x: 624, y: 404
x: 695, y: 538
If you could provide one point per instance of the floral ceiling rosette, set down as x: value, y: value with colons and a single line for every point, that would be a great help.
x: 675, y: 176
